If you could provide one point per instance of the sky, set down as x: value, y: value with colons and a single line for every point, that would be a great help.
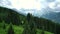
x: 32, y: 6
x: 26, y: 4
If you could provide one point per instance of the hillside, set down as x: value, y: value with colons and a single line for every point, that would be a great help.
x: 17, y: 29
x: 9, y: 15
x: 29, y: 24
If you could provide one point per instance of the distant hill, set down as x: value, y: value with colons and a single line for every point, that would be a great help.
x: 53, y: 16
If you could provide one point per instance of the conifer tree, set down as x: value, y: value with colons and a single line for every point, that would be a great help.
x: 10, y: 30
x: 4, y: 26
x: 30, y: 27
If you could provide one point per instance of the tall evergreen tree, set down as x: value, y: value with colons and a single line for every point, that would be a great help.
x: 14, y: 17
x: 0, y: 19
x: 30, y: 27
x: 4, y: 26
x: 42, y: 23
x: 10, y: 30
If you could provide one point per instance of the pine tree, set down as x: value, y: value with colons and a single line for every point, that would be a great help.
x: 30, y: 27
x: 4, y: 26
x: 0, y: 19
x: 10, y: 30
x: 42, y: 28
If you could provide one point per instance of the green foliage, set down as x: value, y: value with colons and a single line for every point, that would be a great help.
x: 17, y: 29
x: 10, y: 30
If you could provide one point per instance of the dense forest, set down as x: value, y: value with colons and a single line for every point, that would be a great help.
x: 29, y: 22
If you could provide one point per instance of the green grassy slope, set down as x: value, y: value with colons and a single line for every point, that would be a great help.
x: 17, y: 29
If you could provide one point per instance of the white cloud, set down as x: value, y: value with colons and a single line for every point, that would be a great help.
x: 52, y: 5
x: 26, y: 4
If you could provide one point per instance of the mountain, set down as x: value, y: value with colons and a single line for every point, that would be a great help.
x: 45, y: 13
x: 54, y: 16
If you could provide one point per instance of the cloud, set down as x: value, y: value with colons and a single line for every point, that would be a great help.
x: 52, y: 5
x: 32, y: 5
x: 6, y: 3
x: 50, y: 0
x: 26, y: 4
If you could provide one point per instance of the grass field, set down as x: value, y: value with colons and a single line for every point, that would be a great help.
x: 17, y: 29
